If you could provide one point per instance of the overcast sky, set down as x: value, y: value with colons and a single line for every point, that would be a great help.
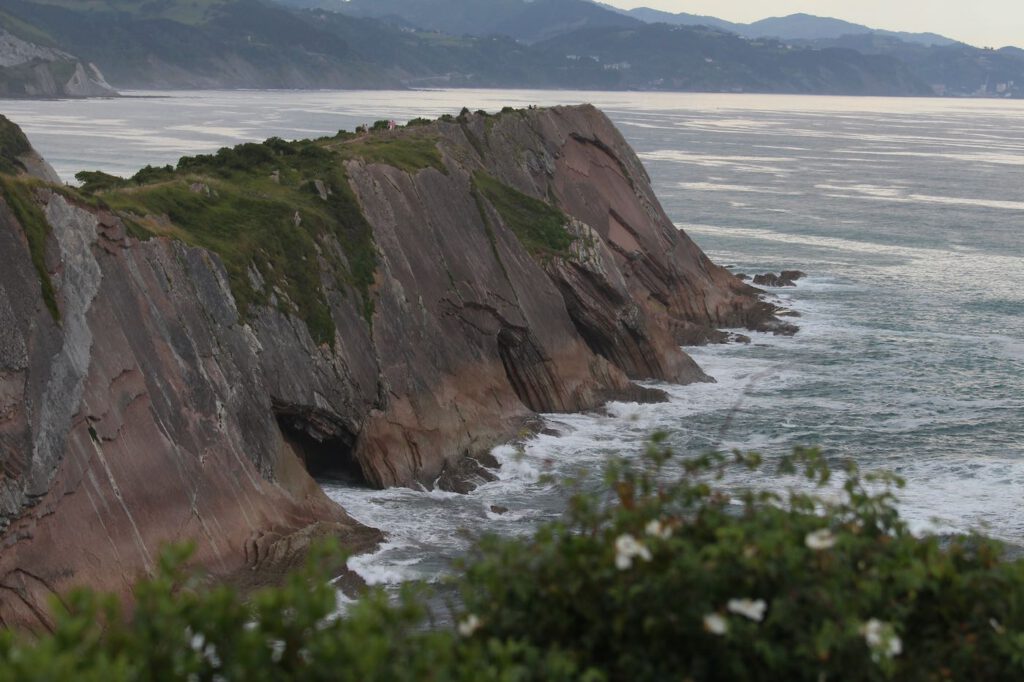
x: 985, y: 23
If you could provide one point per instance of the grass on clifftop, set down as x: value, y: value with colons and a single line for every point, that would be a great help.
x: 275, y: 212
x: 408, y: 153
x: 17, y: 193
x: 539, y: 226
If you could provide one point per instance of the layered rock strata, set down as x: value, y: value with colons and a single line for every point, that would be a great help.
x: 149, y: 393
x: 30, y: 70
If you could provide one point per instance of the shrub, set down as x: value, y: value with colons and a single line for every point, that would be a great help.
x: 98, y: 181
x: 665, y: 576
x: 680, y: 580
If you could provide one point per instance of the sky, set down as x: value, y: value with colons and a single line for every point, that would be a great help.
x: 985, y: 23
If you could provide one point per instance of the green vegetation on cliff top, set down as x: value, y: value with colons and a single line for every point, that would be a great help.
x: 17, y: 193
x: 281, y: 215
x: 539, y: 226
x: 409, y: 153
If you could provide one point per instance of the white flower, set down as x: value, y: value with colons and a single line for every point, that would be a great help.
x: 881, y: 638
x: 716, y: 624
x: 749, y: 608
x: 820, y: 540
x: 657, y: 529
x: 628, y: 548
x: 469, y: 625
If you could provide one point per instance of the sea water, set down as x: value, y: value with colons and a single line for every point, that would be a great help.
x: 907, y: 214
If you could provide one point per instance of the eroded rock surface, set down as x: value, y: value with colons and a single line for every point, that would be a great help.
x: 142, y: 408
x: 30, y: 70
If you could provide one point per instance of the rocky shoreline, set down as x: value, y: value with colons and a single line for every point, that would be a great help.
x: 159, y: 385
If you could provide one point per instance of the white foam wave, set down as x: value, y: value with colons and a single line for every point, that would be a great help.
x: 926, y: 263
x: 721, y: 187
x: 901, y: 195
x: 377, y: 569
x: 980, y: 156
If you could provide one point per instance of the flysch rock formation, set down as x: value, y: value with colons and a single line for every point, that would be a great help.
x: 30, y: 70
x: 139, y: 407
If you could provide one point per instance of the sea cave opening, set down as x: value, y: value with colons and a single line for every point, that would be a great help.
x: 327, y: 454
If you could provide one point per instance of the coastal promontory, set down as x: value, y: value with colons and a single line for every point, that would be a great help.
x: 182, y: 352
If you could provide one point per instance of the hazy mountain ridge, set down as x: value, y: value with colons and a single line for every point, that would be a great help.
x: 957, y: 69
x: 468, y: 43
x: 526, y: 21
x: 799, y: 26
x: 659, y: 56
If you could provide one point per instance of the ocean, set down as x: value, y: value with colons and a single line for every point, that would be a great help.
x: 907, y: 215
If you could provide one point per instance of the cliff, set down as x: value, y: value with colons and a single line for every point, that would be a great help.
x: 30, y: 70
x: 179, y: 351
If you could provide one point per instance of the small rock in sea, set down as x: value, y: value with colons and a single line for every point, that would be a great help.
x: 551, y: 432
x: 792, y: 275
x: 739, y: 338
x: 743, y: 276
x: 770, y: 279
x: 788, y: 313
x: 498, y: 509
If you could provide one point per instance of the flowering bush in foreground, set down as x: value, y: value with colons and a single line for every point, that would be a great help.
x: 666, y: 577
x: 676, y: 579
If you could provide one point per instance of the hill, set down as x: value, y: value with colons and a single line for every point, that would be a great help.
x: 953, y: 70
x: 695, y: 58
x: 792, y: 27
x: 526, y: 21
x: 234, y: 43
x: 657, y: 16
x: 255, y: 44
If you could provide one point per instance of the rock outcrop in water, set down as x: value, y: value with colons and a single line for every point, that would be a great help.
x: 787, y: 278
x: 178, y: 352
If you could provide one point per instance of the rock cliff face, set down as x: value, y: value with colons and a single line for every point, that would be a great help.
x: 30, y: 70
x: 169, y: 372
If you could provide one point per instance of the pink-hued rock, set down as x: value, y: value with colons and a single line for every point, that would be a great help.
x: 151, y: 412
